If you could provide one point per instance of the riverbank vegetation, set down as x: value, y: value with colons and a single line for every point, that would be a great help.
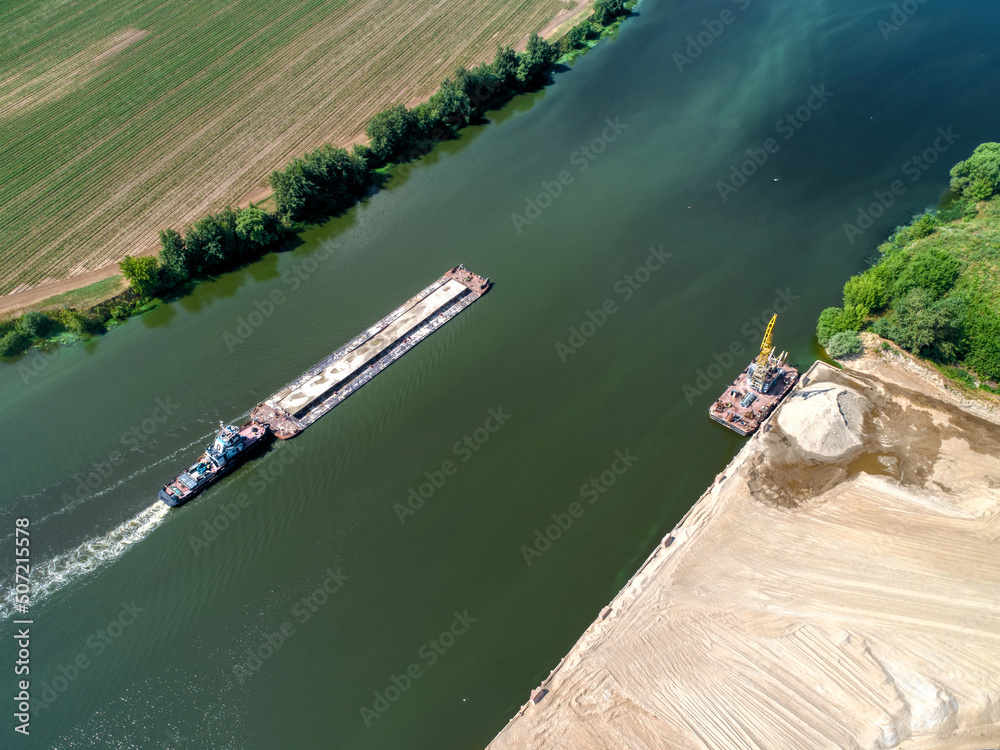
x: 935, y: 288
x: 321, y: 184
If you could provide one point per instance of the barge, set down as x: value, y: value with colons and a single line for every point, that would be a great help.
x: 757, y: 390
x: 321, y: 388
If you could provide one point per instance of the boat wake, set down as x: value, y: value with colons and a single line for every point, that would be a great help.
x: 49, y: 577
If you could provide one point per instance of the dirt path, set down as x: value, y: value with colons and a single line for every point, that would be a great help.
x: 14, y: 303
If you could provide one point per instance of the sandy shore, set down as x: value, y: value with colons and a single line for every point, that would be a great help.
x: 837, y: 587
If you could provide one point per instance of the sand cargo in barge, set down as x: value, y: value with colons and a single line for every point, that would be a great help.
x: 319, y: 389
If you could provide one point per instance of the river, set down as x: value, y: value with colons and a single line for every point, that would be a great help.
x: 303, y: 602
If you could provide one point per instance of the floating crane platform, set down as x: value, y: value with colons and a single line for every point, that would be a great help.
x: 322, y: 387
x: 757, y: 390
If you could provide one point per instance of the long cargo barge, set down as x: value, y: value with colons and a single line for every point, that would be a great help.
x: 322, y: 387
x: 319, y: 389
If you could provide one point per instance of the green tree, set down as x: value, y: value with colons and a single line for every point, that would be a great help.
x: 173, y: 257
x: 828, y: 323
x: 843, y: 344
x: 13, y: 343
x: 833, y: 320
x: 606, y: 11
x: 206, y: 243
x: 978, y: 177
x: 451, y: 105
x: 866, y: 291
x: 254, y: 225
x: 35, y: 324
x: 504, y: 67
x: 142, y: 273
x: 536, y: 59
x: 390, y: 132
x: 576, y: 37
x: 319, y: 184
x: 927, y: 326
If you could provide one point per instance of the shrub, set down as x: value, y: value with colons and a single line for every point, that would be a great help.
x: 13, y: 343
x: 78, y: 323
x: 843, y: 344
x: 35, y: 324
x: 142, y: 274
x: 924, y: 227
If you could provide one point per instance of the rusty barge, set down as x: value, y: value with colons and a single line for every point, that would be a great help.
x: 757, y: 390
x: 322, y: 387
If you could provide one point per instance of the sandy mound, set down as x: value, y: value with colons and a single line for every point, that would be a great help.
x: 825, y: 419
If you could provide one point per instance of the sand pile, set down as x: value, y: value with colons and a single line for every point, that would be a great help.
x: 811, y: 598
x: 824, y: 419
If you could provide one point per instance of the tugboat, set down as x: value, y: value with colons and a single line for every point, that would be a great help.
x: 231, y: 447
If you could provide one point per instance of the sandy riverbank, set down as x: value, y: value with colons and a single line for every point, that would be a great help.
x: 837, y: 586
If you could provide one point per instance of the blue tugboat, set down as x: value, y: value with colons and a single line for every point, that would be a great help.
x: 231, y: 447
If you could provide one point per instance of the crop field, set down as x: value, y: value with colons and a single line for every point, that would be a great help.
x: 119, y: 119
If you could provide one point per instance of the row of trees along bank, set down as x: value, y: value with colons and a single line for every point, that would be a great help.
x: 323, y: 183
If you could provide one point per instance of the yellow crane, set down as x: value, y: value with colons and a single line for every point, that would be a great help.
x: 765, y: 365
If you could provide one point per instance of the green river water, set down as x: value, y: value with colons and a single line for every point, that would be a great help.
x: 149, y: 627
